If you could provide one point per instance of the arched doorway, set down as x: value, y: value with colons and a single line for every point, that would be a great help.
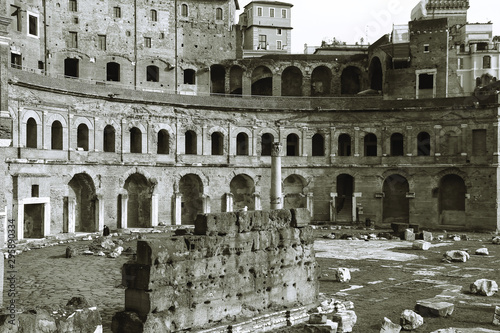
x: 396, y: 206
x: 56, y: 136
x: 242, y: 187
x: 191, y: 189
x: 376, y: 75
x: 291, y: 82
x: 262, y: 81
x: 293, y: 192
x: 235, y: 80
x: 139, y: 201
x: 218, y: 79
x: 343, y: 201
x: 321, y: 81
x: 452, y: 192
x: 31, y: 133
x: 350, y: 81
x: 82, y: 189
x: 266, y: 144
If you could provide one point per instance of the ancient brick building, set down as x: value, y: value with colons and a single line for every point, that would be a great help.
x: 135, y: 115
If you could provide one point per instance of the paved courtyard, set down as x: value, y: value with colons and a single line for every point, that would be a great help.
x: 387, y: 277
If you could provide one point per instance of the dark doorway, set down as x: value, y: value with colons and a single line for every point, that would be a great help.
x: 33, y: 220
x: 262, y: 81
x: 71, y: 67
x: 376, y: 75
x: 397, y: 144
x: 163, y: 142
x: 423, y: 144
x: 321, y: 80
x: 344, y: 145
x: 191, y: 189
x: 350, y: 81
x: 291, y: 82
x: 82, y: 140
x: 112, y: 71
x: 292, y: 145
x: 218, y: 79
x: 318, y: 145
x: 217, y: 143
x: 190, y: 143
x: 83, y: 190
x: 452, y: 192
x: 139, y: 201
x: 56, y: 136
x: 243, y: 188
x: 370, y: 143
x: 343, y: 201
x: 396, y: 206
x: 266, y: 144
x: 135, y: 140
x: 109, y: 139
x: 31, y: 133
x: 242, y: 144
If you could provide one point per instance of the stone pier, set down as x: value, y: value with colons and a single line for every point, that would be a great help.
x: 276, y: 195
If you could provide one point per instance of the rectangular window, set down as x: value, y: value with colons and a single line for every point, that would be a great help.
x: 479, y: 142
x: 460, y: 63
x: 72, y: 6
x: 147, y: 42
x: 73, y: 40
x: 32, y: 25
x: 279, y: 32
x: 16, y: 17
x: 16, y: 60
x: 259, y: 11
x: 262, y: 42
x: 271, y: 12
x: 426, y: 48
x: 117, y: 12
x: 486, y: 62
x: 283, y: 13
x: 101, y: 39
x: 426, y: 81
x: 278, y: 45
x: 35, y: 191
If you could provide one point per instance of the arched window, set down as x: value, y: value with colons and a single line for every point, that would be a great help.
x: 56, y: 136
x: 31, y: 133
x: 190, y: 143
x: 292, y: 145
x: 242, y: 144
x: 184, y: 10
x: 152, y: 73
x: 218, y: 14
x: 370, y: 144
x: 217, y: 143
x: 154, y: 15
x: 486, y: 62
x: 344, y: 145
x: 266, y: 144
x: 189, y: 76
x: 163, y: 142
x: 112, y: 71
x: 135, y: 140
x: 397, y: 144
x: 318, y: 145
x: 82, y: 137
x: 109, y: 139
x: 423, y: 144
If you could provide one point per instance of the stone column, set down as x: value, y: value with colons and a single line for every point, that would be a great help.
x: 71, y: 214
x: 100, y: 212
x: 306, y: 143
x: 256, y: 200
x: 46, y: 218
x: 276, y: 196
x: 46, y: 134
x: 229, y: 202
x: 333, y: 207
x: 154, y: 210
x: 177, y: 208
x: 357, y: 140
x: 437, y: 133
x: 124, y: 201
x: 98, y: 135
x: 310, y: 203
x: 205, y: 141
x: 463, y: 141
x: 206, y: 203
x: 355, y: 204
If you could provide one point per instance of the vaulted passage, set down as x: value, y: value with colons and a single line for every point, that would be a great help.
x: 396, y: 206
x: 139, y: 201
x: 82, y: 189
x: 191, y: 189
x: 343, y: 201
x: 321, y: 81
x: 293, y: 192
x: 235, y: 80
x: 452, y: 192
x: 350, y: 81
x: 242, y: 187
x: 33, y: 220
x: 291, y: 82
x: 262, y: 81
x: 218, y: 79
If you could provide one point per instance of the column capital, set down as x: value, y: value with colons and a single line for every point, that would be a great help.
x: 277, y: 149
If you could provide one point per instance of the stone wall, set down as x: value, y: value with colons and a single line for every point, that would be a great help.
x: 235, y: 265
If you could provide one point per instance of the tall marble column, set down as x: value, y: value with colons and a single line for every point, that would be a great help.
x: 276, y: 196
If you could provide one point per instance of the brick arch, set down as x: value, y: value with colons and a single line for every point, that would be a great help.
x: 137, y: 124
x: 308, y: 180
x: 27, y: 114
x: 151, y: 180
x: 214, y: 129
x: 204, y: 179
x: 389, y: 172
x: 435, y: 180
x: 112, y: 122
x: 83, y: 120
x: 56, y: 116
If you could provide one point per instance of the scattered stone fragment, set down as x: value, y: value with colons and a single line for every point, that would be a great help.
x: 88, y: 253
x: 427, y: 236
x: 421, y: 245
x: 346, y: 320
x: 328, y: 327
x: 317, y: 318
x: 101, y: 254
x: 496, y: 240
x: 71, y: 252
x: 496, y: 316
x: 409, y: 235
x: 440, y: 237
x: 482, y: 251
x: 342, y: 274
x: 484, y: 287
x: 434, y: 308
x: 457, y: 255
x: 330, y: 236
x: 464, y: 237
x: 411, y: 320
x: 389, y: 327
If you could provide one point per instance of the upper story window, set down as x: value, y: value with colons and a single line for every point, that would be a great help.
x: 218, y: 14
x: 426, y: 48
x: 259, y: 11
x: 73, y: 40
x: 32, y: 24
x: 279, y: 45
x: 102, y: 42
x: 117, y: 12
x: 147, y: 42
x: 184, y: 10
x: 486, y: 62
x: 262, y: 42
x: 154, y: 15
x: 271, y: 12
x: 279, y: 31
x: 283, y: 13
x: 72, y: 6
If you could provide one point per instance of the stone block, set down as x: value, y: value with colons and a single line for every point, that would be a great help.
x: 399, y: 228
x: 484, y: 287
x: 427, y: 236
x: 415, y: 227
x: 457, y: 256
x: 341, y: 274
x: 389, y: 327
x: 496, y: 240
x: 410, y: 320
x: 317, y: 318
x: 421, y: 245
x: 253, y: 221
x: 434, y: 308
x: 301, y: 217
x: 409, y: 235
x: 307, y: 235
x: 482, y: 251
x: 346, y: 320
x: 280, y: 218
x: 216, y: 224
x: 496, y: 316
x: 328, y: 327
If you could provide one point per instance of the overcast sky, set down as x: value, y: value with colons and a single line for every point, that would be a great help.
x: 348, y: 21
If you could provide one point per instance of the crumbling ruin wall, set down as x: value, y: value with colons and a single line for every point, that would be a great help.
x: 235, y: 265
